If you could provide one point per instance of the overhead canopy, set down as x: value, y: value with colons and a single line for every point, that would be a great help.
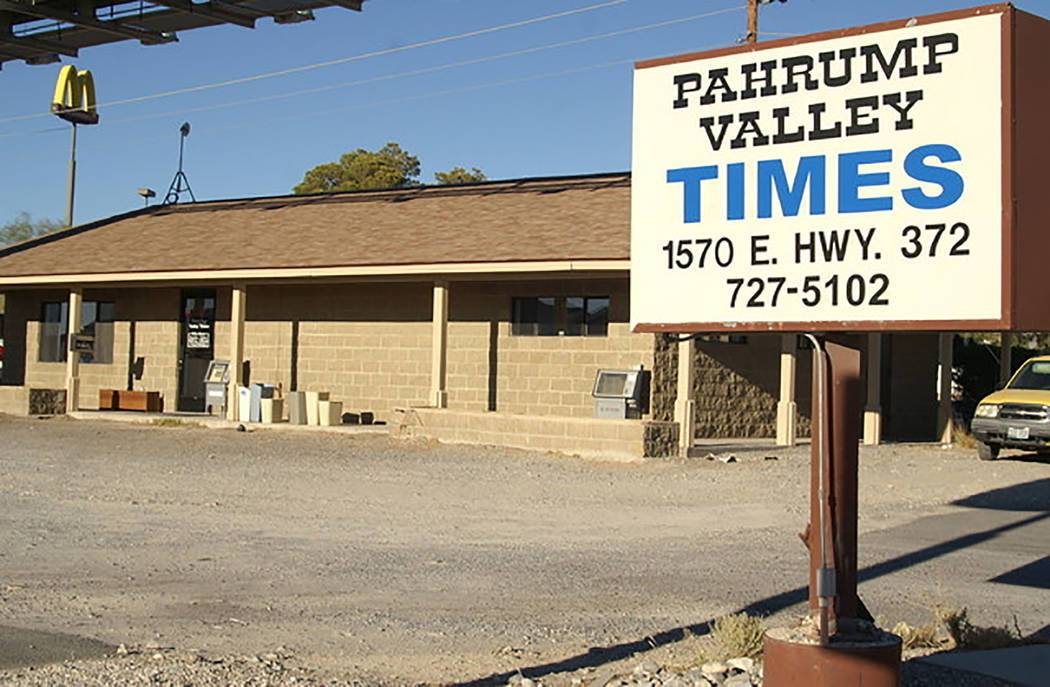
x: 39, y: 31
x: 561, y: 224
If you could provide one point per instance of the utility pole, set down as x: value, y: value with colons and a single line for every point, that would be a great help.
x: 752, y: 22
x: 752, y: 19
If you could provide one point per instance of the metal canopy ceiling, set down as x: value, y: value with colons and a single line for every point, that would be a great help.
x: 40, y: 31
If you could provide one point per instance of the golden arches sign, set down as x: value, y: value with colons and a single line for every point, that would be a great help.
x: 74, y: 98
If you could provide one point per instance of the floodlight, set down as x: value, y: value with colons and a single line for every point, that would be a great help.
x: 293, y: 17
x: 46, y: 58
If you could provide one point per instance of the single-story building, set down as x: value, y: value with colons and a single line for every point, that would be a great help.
x: 478, y: 312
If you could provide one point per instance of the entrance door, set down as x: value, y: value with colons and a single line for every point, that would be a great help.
x: 196, y: 346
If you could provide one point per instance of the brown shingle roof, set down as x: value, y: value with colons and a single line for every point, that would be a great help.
x: 569, y: 218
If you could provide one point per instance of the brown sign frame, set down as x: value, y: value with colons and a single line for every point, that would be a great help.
x: 1025, y: 132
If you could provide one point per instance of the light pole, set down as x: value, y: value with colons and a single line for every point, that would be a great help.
x: 180, y: 183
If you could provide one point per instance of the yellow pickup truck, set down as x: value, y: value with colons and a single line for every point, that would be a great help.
x: 1018, y: 415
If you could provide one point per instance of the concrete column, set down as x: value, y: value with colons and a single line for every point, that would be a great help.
x: 1006, y: 358
x: 944, y: 387
x: 873, y: 407
x: 787, y: 407
x: 238, y: 304
x: 439, y: 348
x: 75, y: 322
x: 684, y: 405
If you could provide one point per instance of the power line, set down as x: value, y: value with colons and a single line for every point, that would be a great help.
x: 414, y: 72
x: 391, y: 101
x: 425, y: 70
x: 342, y: 60
x: 451, y: 91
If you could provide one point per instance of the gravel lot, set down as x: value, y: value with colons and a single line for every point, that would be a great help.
x: 222, y: 557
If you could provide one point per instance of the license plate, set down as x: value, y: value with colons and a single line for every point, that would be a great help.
x: 1016, y: 432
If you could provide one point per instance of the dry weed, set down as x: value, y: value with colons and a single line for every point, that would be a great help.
x: 963, y: 634
x: 950, y: 628
x: 173, y: 422
x: 961, y: 438
x: 917, y: 636
x: 733, y: 636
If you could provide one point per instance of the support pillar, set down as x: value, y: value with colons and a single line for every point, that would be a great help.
x: 1006, y: 358
x: 76, y: 300
x: 944, y: 387
x: 684, y: 405
x: 873, y: 407
x: 238, y: 303
x: 439, y: 347
x: 787, y: 407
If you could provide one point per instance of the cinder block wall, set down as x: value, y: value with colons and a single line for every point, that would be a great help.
x: 154, y: 313
x: 737, y: 386
x: 491, y: 369
x: 368, y: 345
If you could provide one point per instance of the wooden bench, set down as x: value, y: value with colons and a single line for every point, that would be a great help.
x: 145, y: 401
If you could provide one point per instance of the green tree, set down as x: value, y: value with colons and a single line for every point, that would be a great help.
x: 25, y: 227
x: 459, y: 175
x: 388, y: 167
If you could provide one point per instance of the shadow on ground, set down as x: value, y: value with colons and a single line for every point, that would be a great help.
x: 20, y: 648
x: 1030, y: 497
x: 1026, y: 457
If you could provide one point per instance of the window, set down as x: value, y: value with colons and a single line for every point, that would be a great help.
x: 560, y: 316
x: 723, y: 338
x: 96, y: 320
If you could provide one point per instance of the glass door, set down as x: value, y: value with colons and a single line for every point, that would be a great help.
x: 196, y: 346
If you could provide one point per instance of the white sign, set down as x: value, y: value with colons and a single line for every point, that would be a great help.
x: 856, y: 179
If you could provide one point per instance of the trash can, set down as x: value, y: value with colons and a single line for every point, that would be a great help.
x: 313, y: 399
x: 272, y: 410
x: 244, y: 403
x: 297, y: 407
x: 259, y: 392
x: 330, y: 412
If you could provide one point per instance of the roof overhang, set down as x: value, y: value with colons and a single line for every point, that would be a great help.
x: 465, y: 271
x: 38, y: 31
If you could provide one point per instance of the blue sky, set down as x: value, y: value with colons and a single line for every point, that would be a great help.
x: 550, y: 111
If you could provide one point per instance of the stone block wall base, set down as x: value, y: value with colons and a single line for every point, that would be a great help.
x: 660, y: 439
x: 47, y: 401
x: 621, y: 440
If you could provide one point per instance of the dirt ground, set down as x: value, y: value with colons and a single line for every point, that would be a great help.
x: 388, y: 561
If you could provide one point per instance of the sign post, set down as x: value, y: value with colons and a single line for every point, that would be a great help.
x: 74, y: 101
x: 879, y: 178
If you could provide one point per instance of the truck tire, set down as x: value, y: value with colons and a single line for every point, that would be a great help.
x: 987, y: 451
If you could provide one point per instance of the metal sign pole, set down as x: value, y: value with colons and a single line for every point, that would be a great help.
x: 848, y: 652
x: 71, y: 180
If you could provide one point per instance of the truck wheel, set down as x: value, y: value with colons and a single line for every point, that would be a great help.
x: 987, y: 451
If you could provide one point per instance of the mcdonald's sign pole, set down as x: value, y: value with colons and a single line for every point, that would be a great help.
x: 74, y: 101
